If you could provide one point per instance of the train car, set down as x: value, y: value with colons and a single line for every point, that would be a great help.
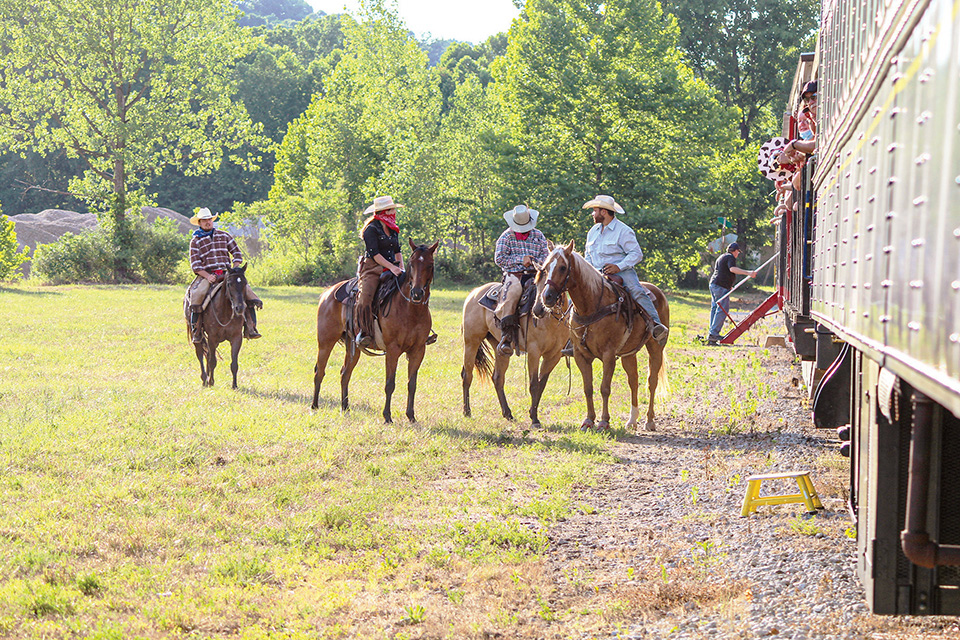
x: 869, y: 280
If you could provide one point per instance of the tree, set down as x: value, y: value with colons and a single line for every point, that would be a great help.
x: 11, y: 257
x: 746, y: 49
x: 128, y: 87
x: 259, y: 12
x: 599, y: 101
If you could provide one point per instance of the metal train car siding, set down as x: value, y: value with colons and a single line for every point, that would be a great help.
x: 869, y: 280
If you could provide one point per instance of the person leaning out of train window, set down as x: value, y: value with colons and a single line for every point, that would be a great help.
x: 807, y: 112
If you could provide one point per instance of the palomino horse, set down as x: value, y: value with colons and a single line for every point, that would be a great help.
x: 541, y: 338
x: 598, y: 329
x: 405, y: 328
x: 222, y: 322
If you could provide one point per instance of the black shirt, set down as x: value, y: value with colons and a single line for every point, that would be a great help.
x: 377, y: 239
x: 722, y: 276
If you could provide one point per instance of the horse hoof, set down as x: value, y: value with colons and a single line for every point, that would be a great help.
x: 536, y: 425
x: 651, y: 426
x: 587, y: 424
x: 632, y: 425
x: 603, y: 425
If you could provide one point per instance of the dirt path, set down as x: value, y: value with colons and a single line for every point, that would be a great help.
x: 659, y: 548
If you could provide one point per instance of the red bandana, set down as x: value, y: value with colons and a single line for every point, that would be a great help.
x: 389, y: 220
x: 521, y: 236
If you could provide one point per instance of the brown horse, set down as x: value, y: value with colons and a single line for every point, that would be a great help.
x: 601, y: 328
x: 542, y: 339
x: 222, y: 322
x: 405, y: 329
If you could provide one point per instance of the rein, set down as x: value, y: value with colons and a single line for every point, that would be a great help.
x: 216, y: 316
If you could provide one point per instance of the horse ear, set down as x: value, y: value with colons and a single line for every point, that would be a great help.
x: 434, y: 246
x: 412, y: 246
x: 550, y: 246
x: 243, y: 269
x: 569, y: 248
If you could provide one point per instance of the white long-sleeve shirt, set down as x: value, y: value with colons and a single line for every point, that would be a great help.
x: 614, y: 244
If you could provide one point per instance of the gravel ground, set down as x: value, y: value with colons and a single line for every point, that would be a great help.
x: 660, y: 538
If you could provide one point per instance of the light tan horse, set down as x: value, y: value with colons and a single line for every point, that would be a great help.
x: 601, y: 327
x: 405, y: 328
x: 541, y: 338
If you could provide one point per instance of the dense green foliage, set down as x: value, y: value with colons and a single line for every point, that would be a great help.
x: 262, y: 12
x: 155, y: 256
x: 11, y: 257
x: 128, y: 88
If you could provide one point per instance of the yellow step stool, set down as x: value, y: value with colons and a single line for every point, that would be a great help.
x: 808, y: 495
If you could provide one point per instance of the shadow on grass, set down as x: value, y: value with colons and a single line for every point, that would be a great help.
x: 505, y: 438
x: 36, y: 294
x: 306, y: 399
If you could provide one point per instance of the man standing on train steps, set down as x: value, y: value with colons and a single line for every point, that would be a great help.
x: 720, y: 285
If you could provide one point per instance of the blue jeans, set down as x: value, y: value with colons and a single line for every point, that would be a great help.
x: 718, y: 310
x: 631, y: 282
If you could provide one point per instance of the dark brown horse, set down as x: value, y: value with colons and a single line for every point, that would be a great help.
x: 542, y: 339
x: 404, y: 328
x: 601, y: 328
x: 222, y: 322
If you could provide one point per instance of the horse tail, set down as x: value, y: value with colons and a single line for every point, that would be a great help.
x: 484, y: 360
x: 663, y: 382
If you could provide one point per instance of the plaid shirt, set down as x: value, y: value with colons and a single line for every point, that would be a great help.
x: 510, y: 251
x: 214, y: 251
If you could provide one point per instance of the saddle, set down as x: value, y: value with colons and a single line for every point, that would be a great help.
x: 211, y: 292
x: 625, y: 307
x: 524, y: 307
x: 387, y: 288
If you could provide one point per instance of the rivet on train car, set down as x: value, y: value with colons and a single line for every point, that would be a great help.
x: 923, y: 117
x: 858, y: 185
x: 866, y: 314
x: 856, y: 235
x: 891, y: 215
x: 867, y: 285
x: 914, y: 326
x: 892, y: 147
x: 868, y: 257
x: 888, y: 249
x: 917, y: 242
x: 895, y: 112
x: 871, y: 227
x: 955, y: 337
x: 884, y: 319
x: 922, y: 159
x: 871, y: 199
x: 876, y: 139
x: 955, y: 285
x: 916, y: 284
x: 872, y: 170
x: 886, y: 284
x: 926, y: 75
x: 956, y: 232
x: 893, y: 180
x: 957, y: 180
x: 919, y: 200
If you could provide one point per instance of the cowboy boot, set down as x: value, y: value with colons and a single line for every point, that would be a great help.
x: 250, y: 325
x: 660, y: 333
x: 508, y: 329
x: 196, y: 324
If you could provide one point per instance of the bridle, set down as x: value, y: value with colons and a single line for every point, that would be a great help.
x: 426, y: 298
x: 560, y: 288
x: 225, y: 289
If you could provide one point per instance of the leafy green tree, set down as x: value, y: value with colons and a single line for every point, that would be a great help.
x: 746, y: 49
x: 11, y: 257
x: 260, y: 12
x: 128, y: 87
x: 599, y: 101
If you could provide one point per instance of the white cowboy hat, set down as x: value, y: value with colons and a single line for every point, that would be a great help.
x: 604, y: 202
x: 381, y: 204
x: 202, y: 214
x: 521, y: 218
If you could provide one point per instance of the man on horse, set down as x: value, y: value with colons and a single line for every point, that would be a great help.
x: 613, y: 249
x: 518, y: 248
x: 212, y: 252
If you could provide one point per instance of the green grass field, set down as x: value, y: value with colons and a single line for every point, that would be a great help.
x: 134, y: 503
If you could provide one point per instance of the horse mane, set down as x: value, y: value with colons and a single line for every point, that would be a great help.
x: 590, y: 279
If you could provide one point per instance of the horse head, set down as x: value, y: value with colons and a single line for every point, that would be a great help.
x: 552, y: 279
x: 421, y: 271
x: 235, y: 284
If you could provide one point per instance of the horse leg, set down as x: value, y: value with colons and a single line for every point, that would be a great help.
x: 629, y: 364
x: 655, y: 353
x: 319, y: 369
x: 586, y: 372
x: 235, y: 345
x: 609, y: 365
x: 200, y: 356
x: 546, y: 367
x: 466, y: 373
x: 393, y: 356
x: 211, y: 361
x: 414, y: 358
x: 350, y: 360
x: 499, y: 376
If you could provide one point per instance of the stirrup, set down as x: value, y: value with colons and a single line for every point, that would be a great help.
x: 660, y: 333
x: 363, y: 340
x: 504, y: 348
x: 567, y: 349
x: 251, y: 334
x: 432, y: 337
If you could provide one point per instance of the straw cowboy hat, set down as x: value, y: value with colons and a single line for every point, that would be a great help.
x: 381, y: 204
x: 604, y: 202
x: 202, y: 214
x: 521, y: 218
